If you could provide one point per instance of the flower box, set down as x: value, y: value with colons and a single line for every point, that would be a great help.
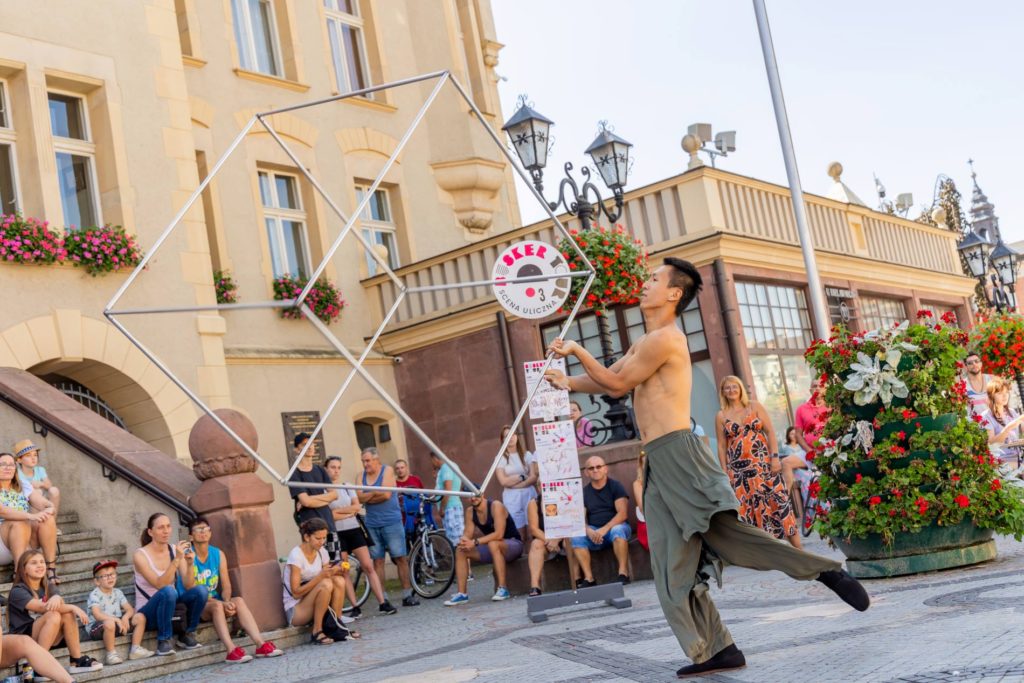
x: 921, y: 423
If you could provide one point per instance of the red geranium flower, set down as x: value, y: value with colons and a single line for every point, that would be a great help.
x: 962, y: 500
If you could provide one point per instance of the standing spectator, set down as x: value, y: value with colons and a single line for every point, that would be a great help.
x: 313, y: 501
x: 384, y: 521
x: 111, y: 615
x: 607, y: 508
x: 977, y: 385
x: 410, y: 504
x: 29, y: 469
x: 490, y: 535
x: 312, y: 583
x: 585, y: 431
x: 403, y: 479
x: 210, y: 569
x: 35, y: 609
x: 14, y: 649
x: 163, y: 578
x: 792, y: 457
x: 747, y: 451
x: 810, y: 417
x: 452, y: 515
x: 352, y: 539
x: 518, y: 474
x: 542, y: 548
x: 1002, y: 423
x: 20, y: 502
x: 638, y: 497
x: 16, y: 513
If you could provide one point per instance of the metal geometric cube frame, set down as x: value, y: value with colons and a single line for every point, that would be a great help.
x: 357, y: 368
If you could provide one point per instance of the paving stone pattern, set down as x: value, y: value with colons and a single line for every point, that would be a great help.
x: 958, y: 626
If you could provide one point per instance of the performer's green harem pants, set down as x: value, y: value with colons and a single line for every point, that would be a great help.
x: 688, y: 501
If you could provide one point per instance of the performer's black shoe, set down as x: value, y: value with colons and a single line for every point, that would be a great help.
x: 847, y: 588
x: 729, y: 658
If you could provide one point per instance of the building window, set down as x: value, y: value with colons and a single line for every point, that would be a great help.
x: 877, y: 313
x: 8, y: 179
x: 774, y: 317
x: 285, y: 222
x: 379, y: 226
x: 348, y: 54
x: 939, y: 310
x: 256, y: 36
x: 777, y: 328
x: 76, y: 168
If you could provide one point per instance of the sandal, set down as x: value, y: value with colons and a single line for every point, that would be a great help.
x: 321, y: 638
x: 355, y: 635
x: 51, y: 573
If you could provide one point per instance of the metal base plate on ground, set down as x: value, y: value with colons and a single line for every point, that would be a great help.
x: 610, y: 593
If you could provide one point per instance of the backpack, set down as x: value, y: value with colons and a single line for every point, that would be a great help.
x: 333, y: 628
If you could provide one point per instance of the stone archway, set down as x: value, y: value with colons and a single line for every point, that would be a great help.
x: 94, y: 354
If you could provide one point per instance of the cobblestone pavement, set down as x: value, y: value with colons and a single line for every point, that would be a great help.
x: 961, y: 625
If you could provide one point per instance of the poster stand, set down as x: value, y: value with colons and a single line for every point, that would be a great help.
x: 559, y: 460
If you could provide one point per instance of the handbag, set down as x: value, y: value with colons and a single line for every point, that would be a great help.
x: 333, y: 628
x: 366, y: 532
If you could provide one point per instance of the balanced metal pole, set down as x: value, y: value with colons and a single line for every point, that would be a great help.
x: 818, y: 307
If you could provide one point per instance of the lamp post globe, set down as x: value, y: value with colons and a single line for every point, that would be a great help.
x: 1005, y: 261
x: 975, y: 252
x: 529, y: 132
x: 610, y: 155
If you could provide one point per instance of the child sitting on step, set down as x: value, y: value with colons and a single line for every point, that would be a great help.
x: 29, y: 470
x: 110, y: 614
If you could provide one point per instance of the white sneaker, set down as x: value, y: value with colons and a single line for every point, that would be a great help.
x: 140, y: 653
x: 112, y: 658
x: 346, y: 620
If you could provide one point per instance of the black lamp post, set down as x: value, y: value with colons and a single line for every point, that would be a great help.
x: 996, y: 269
x: 529, y: 132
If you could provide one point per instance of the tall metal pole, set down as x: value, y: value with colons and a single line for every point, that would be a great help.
x: 818, y: 308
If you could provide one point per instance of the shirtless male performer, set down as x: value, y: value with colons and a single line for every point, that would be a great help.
x: 688, y: 500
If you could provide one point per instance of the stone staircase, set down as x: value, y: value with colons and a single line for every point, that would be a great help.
x: 80, y: 550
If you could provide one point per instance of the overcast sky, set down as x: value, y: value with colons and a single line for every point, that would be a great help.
x: 906, y: 90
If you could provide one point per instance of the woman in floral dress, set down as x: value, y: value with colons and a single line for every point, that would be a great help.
x: 748, y: 455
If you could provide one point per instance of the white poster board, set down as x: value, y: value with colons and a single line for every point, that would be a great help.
x: 562, y: 503
x: 548, y: 403
x: 556, y: 450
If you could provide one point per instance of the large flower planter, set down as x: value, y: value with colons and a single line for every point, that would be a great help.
x: 869, y: 468
x: 934, y: 547
x: 927, y: 424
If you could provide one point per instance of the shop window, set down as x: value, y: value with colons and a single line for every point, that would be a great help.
x: 774, y: 316
x: 285, y: 223
x: 76, y: 167
x: 939, y: 310
x: 877, y: 313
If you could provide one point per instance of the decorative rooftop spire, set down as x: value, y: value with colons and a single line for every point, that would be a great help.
x: 983, y: 216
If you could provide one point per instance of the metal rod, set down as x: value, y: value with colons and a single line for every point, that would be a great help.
x: 188, y: 392
x: 333, y: 341
x: 821, y: 317
x: 392, y: 489
x: 286, y: 303
x: 376, y: 183
x: 178, y: 216
x: 509, y: 281
x: 356, y: 93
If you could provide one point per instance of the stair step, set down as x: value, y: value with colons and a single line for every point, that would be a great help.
x: 81, y: 583
x: 77, y: 561
x: 67, y: 517
x: 211, y: 652
x: 89, y: 539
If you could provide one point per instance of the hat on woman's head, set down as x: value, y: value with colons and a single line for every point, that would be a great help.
x: 24, y: 447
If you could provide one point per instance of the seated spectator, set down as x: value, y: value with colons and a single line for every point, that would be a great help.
x: 490, y: 535
x: 163, y: 578
x: 35, y: 609
x: 1002, y: 423
x: 792, y: 456
x: 638, y: 496
x: 313, y: 501
x: 353, y: 540
x: 111, y: 615
x: 312, y: 583
x: 14, y: 649
x: 518, y: 474
x: 210, y: 569
x: 606, y: 504
x: 29, y: 469
x: 24, y: 509
x: 541, y: 547
x: 384, y: 522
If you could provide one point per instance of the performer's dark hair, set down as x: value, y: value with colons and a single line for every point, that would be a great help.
x: 685, y: 276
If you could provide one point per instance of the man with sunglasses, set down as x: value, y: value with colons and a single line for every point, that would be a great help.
x: 977, y: 381
x: 606, y: 503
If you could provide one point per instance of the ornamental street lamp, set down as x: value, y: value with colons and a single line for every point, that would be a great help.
x: 529, y: 132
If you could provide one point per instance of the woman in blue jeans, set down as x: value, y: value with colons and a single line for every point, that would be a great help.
x: 164, y: 578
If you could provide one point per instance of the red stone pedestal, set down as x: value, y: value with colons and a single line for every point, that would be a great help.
x: 237, y: 504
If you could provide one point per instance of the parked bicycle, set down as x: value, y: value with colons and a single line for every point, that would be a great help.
x: 804, y: 495
x: 360, y: 583
x: 432, y: 559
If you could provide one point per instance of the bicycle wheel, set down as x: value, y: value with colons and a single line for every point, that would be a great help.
x: 360, y: 584
x: 810, y: 512
x: 433, y: 565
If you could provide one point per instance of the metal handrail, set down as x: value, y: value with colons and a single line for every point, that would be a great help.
x: 185, y: 513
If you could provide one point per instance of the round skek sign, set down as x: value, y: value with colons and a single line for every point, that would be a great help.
x: 536, y: 298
